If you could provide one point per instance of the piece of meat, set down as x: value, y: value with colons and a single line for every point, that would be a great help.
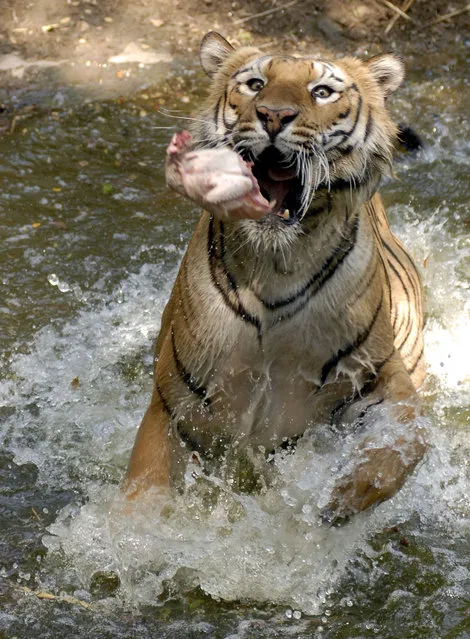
x: 219, y: 180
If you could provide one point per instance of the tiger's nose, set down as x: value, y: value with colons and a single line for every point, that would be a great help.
x: 274, y: 120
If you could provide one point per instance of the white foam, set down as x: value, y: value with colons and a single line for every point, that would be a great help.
x: 85, y: 412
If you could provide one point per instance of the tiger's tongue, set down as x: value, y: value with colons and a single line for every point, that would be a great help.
x: 276, y: 189
x: 279, y: 174
x: 277, y: 184
x: 276, y: 181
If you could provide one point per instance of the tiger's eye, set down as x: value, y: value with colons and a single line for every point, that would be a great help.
x: 322, y: 91
x: 255, y: 84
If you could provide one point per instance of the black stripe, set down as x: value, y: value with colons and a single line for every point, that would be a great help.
x: 395, y: 319
x: 215, y: 264
x: 329, y: 200
x: 186, y: 376
x: 340, y: 184
x: 386, y: 276
x: 216, y: 112
x: 348, y: 134
x: 413, y: 368
x: 326, y: 272
x: 230, y: 278
x: 404, y: 320
x: 335, y: 134
x: 343, y: 404
x: 227, y: 125
x: 352, y: 346
x: 380, y: 365
x: 381, y: 157
x: 166, y: 406
x: 241, y: 71
x: 244, y: 127
x: 186, y: 305
x: 368, y: 129
x: 360, y: 418
x: 347, y: 149
x: 312, y: 212
x: 418, y: 337
x: 348, y: 403
x: 409, y: 319
x: 370, y: 384
x: 358, y: 115
x: 412, y: 268
x: 303, y: 130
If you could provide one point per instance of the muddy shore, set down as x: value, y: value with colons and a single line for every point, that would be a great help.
x: 94, y: 41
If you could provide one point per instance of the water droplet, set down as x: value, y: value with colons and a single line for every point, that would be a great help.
x: 53, y: 279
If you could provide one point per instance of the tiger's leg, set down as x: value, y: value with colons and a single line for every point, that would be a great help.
x: 219, y: 180
x: 380, y: 469
x: 149, y: 465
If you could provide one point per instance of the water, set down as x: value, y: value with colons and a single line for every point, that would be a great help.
x: 91, y: 245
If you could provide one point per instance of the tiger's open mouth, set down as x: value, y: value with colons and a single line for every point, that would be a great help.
x: 278, y: 182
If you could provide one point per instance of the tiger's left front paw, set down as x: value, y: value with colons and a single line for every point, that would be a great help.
x: 378, y: 475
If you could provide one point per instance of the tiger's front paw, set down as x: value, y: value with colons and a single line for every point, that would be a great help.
x: 376, y: 477
x: 217, y: 179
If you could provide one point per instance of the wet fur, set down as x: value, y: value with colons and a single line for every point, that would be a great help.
x: 272, y: 327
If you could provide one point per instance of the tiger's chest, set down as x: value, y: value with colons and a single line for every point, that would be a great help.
x: 264, y: 342
x: 265, y: 389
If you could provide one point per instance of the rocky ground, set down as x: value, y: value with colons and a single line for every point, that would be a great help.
x: 117, y: 46
x: 100, y: 29
x: 47, y: 28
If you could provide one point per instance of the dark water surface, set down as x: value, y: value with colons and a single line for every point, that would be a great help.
x: 91, y: 241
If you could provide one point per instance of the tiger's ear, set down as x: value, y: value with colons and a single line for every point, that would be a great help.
x: 388, y: 70
x: 214, y: 50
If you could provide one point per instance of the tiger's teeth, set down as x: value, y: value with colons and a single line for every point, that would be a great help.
x: 285, y: 214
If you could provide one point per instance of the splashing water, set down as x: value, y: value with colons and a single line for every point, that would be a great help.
x: 74, y: 400
x: 268, y: 547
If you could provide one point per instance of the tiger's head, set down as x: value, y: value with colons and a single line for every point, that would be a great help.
x: 308, y: 124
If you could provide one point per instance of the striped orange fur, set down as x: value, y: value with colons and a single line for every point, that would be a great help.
x: 295, y: 304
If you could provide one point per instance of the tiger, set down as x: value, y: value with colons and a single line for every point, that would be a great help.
x: 294, y: 305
